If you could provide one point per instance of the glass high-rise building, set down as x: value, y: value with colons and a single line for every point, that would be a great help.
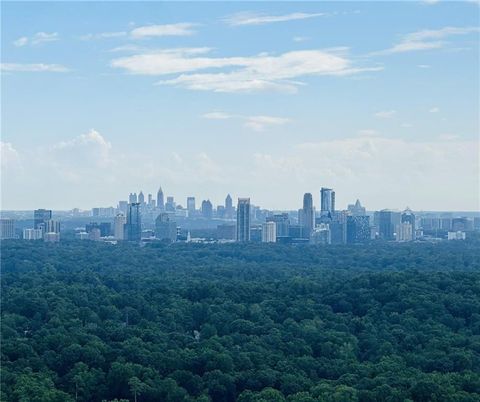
x: 386, y: 225
x: 160, y: 200
x: 228, y: 207
x: 327, y: 202
x: 358, y: 229
x: 243, y: 220
x: 282, y: 224
x: 166, y: 227
x: 207, y: 209
x: 307, y: 216
x: 40, y: 216
x: 191, y: 206
x: 133, y: 227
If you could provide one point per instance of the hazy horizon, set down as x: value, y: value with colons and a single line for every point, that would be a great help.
x: 378, y: 101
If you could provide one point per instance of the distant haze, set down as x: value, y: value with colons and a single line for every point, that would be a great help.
x: 378, y: 100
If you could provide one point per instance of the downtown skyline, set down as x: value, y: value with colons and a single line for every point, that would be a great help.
x: 262, y: 100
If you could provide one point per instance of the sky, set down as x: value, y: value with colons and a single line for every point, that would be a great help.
x: 267, y: 100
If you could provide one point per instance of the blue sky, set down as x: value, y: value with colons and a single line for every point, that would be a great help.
x: 378, y: 100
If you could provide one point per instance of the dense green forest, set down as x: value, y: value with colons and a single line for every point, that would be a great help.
x: 89, y: 321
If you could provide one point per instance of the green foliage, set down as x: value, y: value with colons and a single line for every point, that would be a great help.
x: 252, y: 323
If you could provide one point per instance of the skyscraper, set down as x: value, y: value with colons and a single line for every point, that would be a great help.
x: 269, y: 232
x: 165, y: 227
x: 409, y: 217
x: 40, y: 216
x: 207, y: 209
x: 358, y: 229
x: 191, y: 206
x: 228, y: 207
x: 356, y: 209
x: 7, y: 228
x: 160, y: 200
x: 119, y: 224
x: 386, y: 225
x: 307, y: 216
x: 132, y: 198
x: 243, y: 220
x: 282, y: 224
x: 141, y: 198
x: 170, y: 204
x: 51, y: 230
x: 133, y: 227
x: 327, y: 202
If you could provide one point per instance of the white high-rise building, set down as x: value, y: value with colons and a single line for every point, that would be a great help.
x: 119, y: 223
x: 32, y: 234
x: 404, y: 232
x: 269, y: 232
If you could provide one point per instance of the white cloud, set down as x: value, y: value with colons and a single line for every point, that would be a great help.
x: 434, y: 110
x: 37, y: 39
x: 261, y: 123
x: 9, y: 156
x: 374, y: 170
x: 33, y: 67
x: 104, y: 35
x: 256, y: 123
x: 368, y: 132
x: 427, y: 39
x: 180, y: 29
x: 385, y: 114
x: 248, y: 18
x: 300, y: 38
x: 21, y: 41
x: 240, y: 74
x: 423, y: 66
x: 217, y: 116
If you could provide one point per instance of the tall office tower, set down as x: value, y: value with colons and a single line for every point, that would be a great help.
x: 132, y: 198
x: 327, y: 202
x: 51, y: 231
x: 307, y: 215
x: 122, y: 207
x: 269, y: 232
x: 356, y: 209
x: 160, y: 200
x: 282, y: 223
x: 386, y: 225
x: 40, y: 216
x: 170, y: 204
x: 141, y: 198
x: 228, y: 207
x: 165, y: 227
x: 358, y: 229
x: 32, y: 234
x: 7, y: 228
x: 133, y: 226
x: 191, y: 206
x: 150, y: 199
x: 321, y: 234
x: 404, y: 232
x: 207, y: 209
x: 119, y: 224
x: 243, y: 220
x: 408, y: 217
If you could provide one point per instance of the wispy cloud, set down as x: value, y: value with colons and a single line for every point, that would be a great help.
x: 249, y: 18
x: 385, y: 114
x: 217, y: 116
x: 179, y: 29
x: 426, y: 39
x: 104, y: 35
x: 256, y: 123
x: 147, y: 31
x: 261, y: 123
x: 300, y: 38
x: 240, y: 74
x: 434, y: 110
x: 37, y: 39
x: 33, y: 67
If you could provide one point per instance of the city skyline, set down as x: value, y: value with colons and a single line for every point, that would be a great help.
x: 264, y: 100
